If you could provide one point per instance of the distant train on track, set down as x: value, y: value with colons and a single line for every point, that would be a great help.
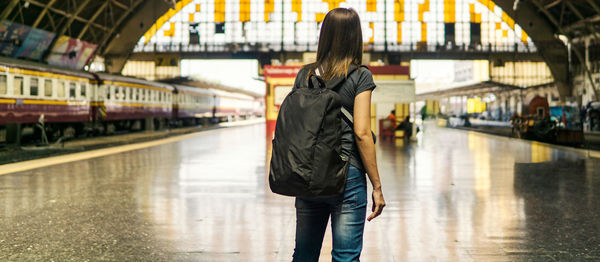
x: 66, y: 103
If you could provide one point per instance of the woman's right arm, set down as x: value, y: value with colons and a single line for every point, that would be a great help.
x: 366, y: 147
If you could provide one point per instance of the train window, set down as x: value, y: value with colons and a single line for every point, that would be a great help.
x: 121, y: 93
x: 34, y: 87
x: 61, y: 89
x: 3, y: 85
x: 109, y: 90
x: 136, y: 94
x: 48, y: 88
x: 18, y: 85
x: 130, y: 96
x: 72, y: 90
x: 83, y: 91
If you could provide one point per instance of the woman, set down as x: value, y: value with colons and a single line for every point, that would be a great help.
x: 339, y: 50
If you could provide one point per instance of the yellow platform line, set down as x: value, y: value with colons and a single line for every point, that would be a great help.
x: 56, y: 160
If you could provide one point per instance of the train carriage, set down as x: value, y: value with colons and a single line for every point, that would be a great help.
x: 230, y: 105
x: 132, y: 104
x: 193, y: 105
x: 31, y: 93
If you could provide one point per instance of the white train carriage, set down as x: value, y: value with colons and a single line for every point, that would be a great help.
x: 233, y: 105
x: 34, y: 95
x: 193, y: 105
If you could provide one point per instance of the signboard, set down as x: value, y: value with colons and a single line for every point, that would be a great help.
x: 12, y: 36
x: 36, y: 43
x: 394, y: 92
x: 71, y: 53
x: 281, y: 71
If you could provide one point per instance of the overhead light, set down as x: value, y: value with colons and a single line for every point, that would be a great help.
x: 563, y: 38
x: 515, y: 5
x: 26, y: 4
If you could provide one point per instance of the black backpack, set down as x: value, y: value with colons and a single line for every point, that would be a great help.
x: 306, y: 159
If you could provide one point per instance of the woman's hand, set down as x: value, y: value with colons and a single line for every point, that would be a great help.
x: 378, y: 203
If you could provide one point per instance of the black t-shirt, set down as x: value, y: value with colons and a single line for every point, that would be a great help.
x: 359, y: 81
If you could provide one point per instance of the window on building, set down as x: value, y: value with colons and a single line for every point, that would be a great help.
x: 72, y: 90
x: 48, y: 88
x: 18, y: 85
x: 34, y: 86
x: 3, y: 85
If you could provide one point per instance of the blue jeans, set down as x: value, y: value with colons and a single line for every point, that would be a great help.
x: 347, y: 213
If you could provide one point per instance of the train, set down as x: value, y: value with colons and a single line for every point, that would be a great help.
x: 42, y: 101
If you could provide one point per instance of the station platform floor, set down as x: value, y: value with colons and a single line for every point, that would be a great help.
x: 452, y: 196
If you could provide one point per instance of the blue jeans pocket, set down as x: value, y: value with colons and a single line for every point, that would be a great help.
x: 355, y: 194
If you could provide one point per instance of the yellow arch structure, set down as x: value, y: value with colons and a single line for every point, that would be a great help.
x: 449, y: 14
x: 165, y: 18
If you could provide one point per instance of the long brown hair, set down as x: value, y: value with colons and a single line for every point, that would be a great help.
x: 340, y: 43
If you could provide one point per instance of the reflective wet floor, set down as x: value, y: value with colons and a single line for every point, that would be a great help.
x: 452, y: 196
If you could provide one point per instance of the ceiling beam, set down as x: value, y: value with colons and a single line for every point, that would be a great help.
x: 574, y: 9
x: 6, y: 12
x: 67, y: 25
x: 68, y: 15
x: 581, y: 23
x: 92, y: 19
x: 118, y: 24
x: 594, y: 5
x: 43, y: 13
x: 119, y: 4
x: 552, y: 4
